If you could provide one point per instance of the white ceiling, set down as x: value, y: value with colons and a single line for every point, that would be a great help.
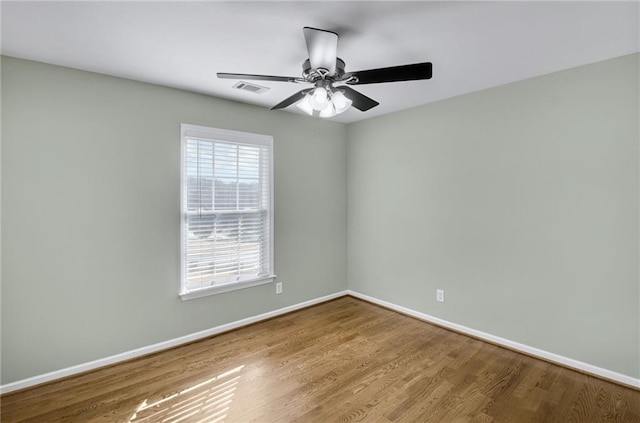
x: 473, y: 45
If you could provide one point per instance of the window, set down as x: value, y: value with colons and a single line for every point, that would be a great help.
x: 227, y: 210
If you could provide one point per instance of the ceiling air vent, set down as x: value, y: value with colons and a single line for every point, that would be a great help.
x: 252, y: 88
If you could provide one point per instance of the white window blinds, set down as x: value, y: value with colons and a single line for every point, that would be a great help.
x: 227, y: 213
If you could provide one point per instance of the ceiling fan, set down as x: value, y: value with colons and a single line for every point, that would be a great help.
x: 331, y: 93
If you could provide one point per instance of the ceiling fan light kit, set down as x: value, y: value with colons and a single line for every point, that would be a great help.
x: 324, y: 69
x: 324, y: 102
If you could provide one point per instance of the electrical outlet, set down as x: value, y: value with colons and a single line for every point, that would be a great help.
x: 440, y: 295
x: 278, y: 287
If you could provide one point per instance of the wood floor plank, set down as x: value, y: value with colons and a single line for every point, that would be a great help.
x: 342, y: 361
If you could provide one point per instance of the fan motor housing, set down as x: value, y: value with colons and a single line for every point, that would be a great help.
x: 312, y: 75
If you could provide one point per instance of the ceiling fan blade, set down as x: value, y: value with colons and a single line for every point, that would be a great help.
x: 259, y: 77
x: 360, y: 101
x: 322, y: 47
x: 393, y: 74
x: 292, y: 99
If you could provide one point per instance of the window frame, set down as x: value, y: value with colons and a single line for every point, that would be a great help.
x: 235, y: 137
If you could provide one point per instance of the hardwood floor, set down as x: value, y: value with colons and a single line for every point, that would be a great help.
x: 341, y: 361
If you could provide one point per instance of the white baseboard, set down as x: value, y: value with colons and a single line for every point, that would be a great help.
x: 535, y: 352
x: 128, y: 355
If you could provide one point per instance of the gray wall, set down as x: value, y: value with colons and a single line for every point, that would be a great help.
x: 90, y: 215
x: 520, y: 201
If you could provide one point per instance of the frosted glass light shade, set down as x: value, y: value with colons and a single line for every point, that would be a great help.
x: 329, y: 111
x: 319, y: 98
x: 340, y: 102
x: 305, y: 105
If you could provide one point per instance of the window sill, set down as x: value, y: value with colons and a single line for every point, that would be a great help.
x: 219, y: 289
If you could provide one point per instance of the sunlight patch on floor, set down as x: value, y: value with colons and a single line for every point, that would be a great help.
x: 207, y: 401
